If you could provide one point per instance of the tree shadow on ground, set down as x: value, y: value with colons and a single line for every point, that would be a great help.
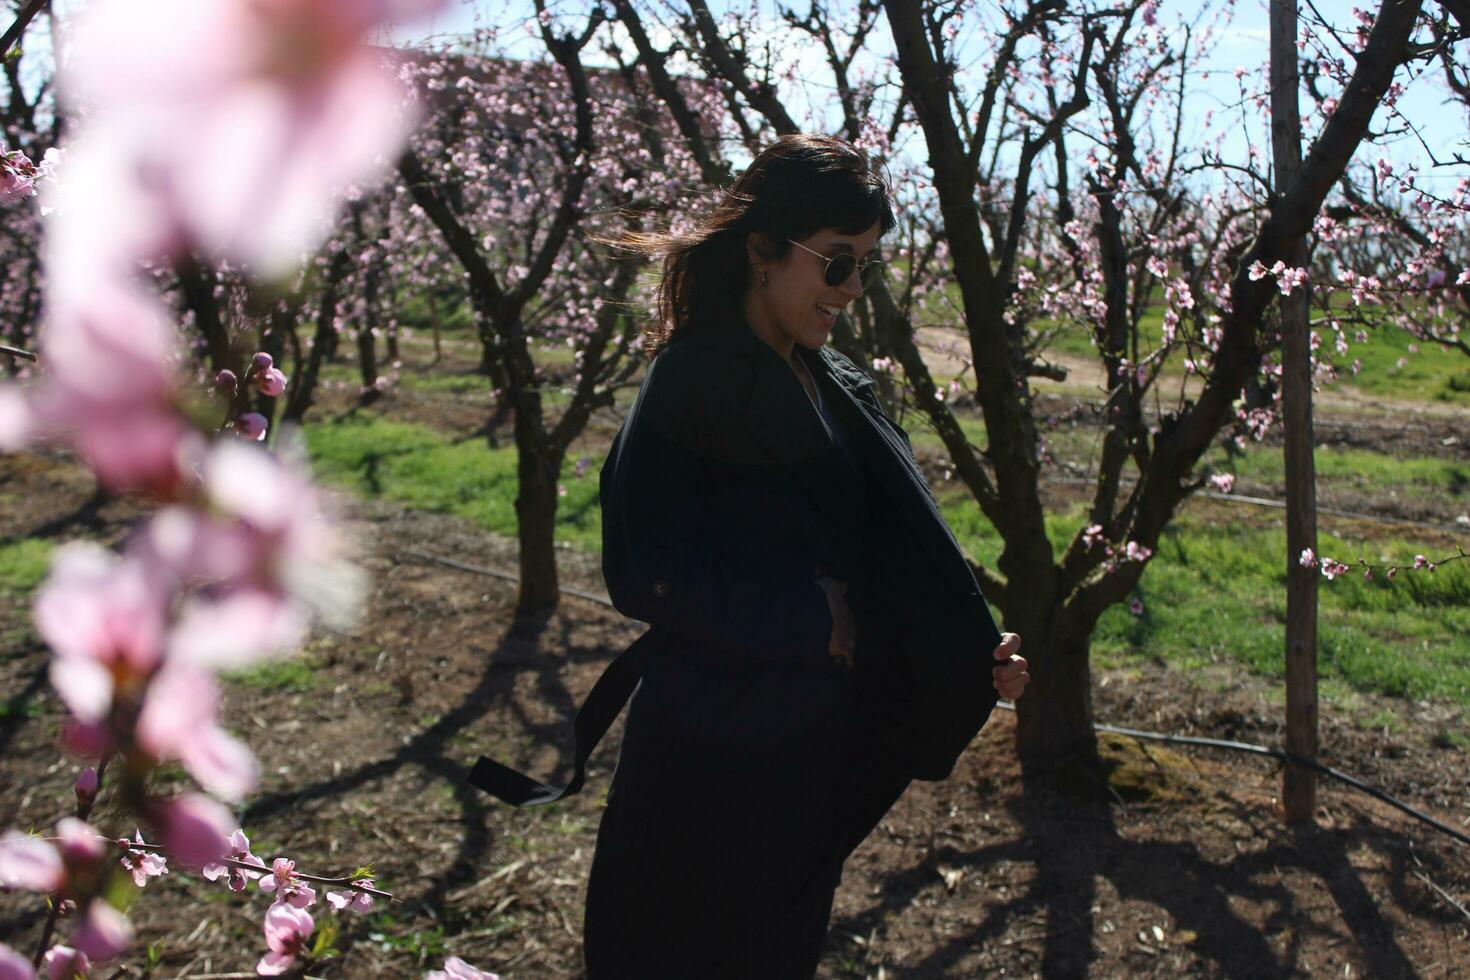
x: 1074, y: 845
x: 436, y: 751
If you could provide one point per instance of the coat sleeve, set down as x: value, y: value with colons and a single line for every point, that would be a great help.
x: 655, y: 493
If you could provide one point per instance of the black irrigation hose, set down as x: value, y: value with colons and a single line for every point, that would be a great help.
x: 1283, y: 755
x: 1213, y: 743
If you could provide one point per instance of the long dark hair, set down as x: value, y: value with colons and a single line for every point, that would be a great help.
x: 797, y: 186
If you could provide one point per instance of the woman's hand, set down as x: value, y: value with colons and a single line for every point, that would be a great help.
x: 1011, y: 677
x: 844, y: 627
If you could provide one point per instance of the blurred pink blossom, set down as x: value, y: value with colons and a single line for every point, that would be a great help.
x: 110, y: 386
x: 29, y: 864
x: 79, y: 843
x: 287, y: 931
x: 196, y: 830
x: 104, y: 620
x: 457, y: 969
x: 1135, y: 606
x: 85, y: 786
x: 65, y: 963
x: 104, y: 931
x: 1224, y: 482
x: 238, y: 120
x: 251, y: 426
x: 271, y: 382
x: 177, y: 721
x: 14, y: 966
x: 1308, y: 558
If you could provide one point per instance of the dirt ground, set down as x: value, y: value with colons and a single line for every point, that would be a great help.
x: 1179, y: 866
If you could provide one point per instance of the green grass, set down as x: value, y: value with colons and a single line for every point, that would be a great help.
x: 1215, y: 592
x: 23, y: 564
x: 297, y: 675
x: 425, y: 469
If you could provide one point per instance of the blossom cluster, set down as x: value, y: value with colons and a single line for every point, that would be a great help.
x: 224, y: 131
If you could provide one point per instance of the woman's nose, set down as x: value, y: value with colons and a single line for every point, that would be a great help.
x: 852, y: 286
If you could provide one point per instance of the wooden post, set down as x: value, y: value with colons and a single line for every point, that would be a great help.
x: 1299, y: 789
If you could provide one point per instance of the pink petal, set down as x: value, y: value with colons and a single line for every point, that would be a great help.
x: 65, y: 963
x: 272, y: 964
x: 178, y: 708
x: 104, y: 933
x: 223, y: 765
x: 29, y: 864
x: 196, y: 830
x: 14, y: 966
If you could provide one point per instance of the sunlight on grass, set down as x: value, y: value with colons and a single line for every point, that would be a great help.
x: 428, y: 470
x: 23, y: 564
x: 1216, y: 590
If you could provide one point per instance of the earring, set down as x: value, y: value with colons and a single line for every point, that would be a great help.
x: 764, y: 280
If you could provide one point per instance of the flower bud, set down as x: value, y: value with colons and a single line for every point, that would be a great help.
x: 86, y: 786
x: 271, y: 382
x: 104, y: 931
x: 64, y: 963
x: 226, y: 382
x: 261, y: 362
x: 252, y: 426
x: 196, y: 830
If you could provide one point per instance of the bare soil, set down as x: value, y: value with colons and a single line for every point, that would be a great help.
x: 1169, y: 863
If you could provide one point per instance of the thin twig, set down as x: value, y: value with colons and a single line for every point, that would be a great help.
x: 22, y: 20
x: 16, y: 352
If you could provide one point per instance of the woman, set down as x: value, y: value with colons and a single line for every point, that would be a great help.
x: 817, y: 638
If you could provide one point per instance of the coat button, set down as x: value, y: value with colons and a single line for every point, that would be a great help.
x: 661, y: 589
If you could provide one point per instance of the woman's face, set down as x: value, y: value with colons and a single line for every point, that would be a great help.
x: 795, y: 305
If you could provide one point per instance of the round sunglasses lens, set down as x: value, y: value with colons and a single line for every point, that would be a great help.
x: 839, y: 269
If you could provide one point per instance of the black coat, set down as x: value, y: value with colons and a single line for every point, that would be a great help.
x: 752, y: 761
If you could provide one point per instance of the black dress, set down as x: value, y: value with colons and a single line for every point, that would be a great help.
x: 752, y: 763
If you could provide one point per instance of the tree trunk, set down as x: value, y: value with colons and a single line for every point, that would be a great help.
x: 299, y: 395
x: 536, y: 501
x: 1054, y: 719
x: 1299, y: 789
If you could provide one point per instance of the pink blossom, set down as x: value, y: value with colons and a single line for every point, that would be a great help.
x: 85, y: 787
x: 196, y: 830
x: 1308, y: 558
x: 251, y: 426
x: 65, y: 963
x: 271, y: 382
x: 457, y: 969
x: 1331, y: 568
x: 104, y: 620
x: 1091, y: 536
x: 1135, y: 606
x: 79, y: 843
x: 14, y: 966
x: 1420, y: 561
x: 245, y: 117
x: 287, y: 931
x: 1223, y: 482
x: 289, y: 888
x: 1137, y: 552
x: 143, y: 864
x: 226, y: 382
x: 104, y: 931
x: 110, y: 385
x: 261, y: 361
x: 17, y: 176
x: 29, y: 864
x: 239, y: 851
x: 358, y: 900
x: 177, y: 721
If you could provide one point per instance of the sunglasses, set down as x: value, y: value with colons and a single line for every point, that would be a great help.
x: 840, y: 266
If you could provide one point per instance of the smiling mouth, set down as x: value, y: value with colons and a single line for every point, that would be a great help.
x: 829, y: 311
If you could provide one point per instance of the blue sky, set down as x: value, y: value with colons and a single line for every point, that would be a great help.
x: 1244, y: 43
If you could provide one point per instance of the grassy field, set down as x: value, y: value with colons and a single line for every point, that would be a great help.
x: 1213, y: 593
